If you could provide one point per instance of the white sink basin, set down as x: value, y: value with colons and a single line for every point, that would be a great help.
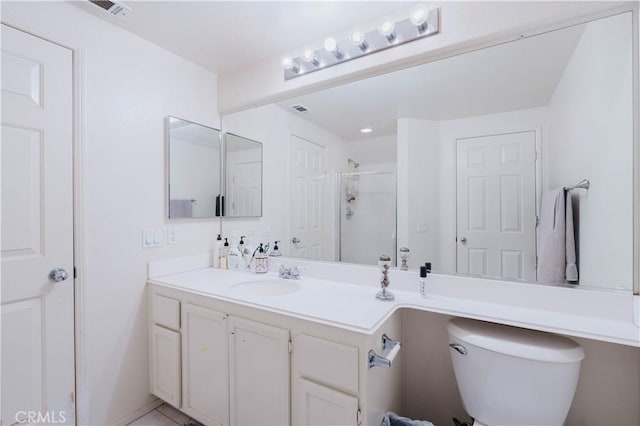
x: 265, y: 288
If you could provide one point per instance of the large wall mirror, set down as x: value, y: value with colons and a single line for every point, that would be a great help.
x: 194, y: 153
x: 476, y: 163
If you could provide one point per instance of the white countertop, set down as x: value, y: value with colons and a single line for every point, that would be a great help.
x: 353, y: 306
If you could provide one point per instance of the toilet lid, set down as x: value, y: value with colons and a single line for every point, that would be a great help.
x: 514, y: 341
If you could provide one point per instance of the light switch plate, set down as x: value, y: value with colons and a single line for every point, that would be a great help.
x: 151, y: 238
x: 423, y: 227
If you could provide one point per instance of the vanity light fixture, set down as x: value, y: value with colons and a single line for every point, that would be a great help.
x: 366, y: 130
x: 422, y: 22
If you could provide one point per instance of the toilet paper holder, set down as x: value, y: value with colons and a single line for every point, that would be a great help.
x: 388, y: 344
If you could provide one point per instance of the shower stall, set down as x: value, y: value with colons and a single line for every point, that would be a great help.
x: 367, y: 215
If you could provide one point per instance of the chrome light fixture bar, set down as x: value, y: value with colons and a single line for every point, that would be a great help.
x: 421, y: 23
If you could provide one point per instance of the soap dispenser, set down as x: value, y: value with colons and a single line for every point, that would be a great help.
x: 224, y: 255
x: 235, y: 257
x: 217, y: 247
x: 275, y: 252
x: 262, y: 261
x: 245, y: 251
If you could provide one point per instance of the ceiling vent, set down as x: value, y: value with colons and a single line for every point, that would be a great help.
x: 113, y: 7
x: 299, y: 108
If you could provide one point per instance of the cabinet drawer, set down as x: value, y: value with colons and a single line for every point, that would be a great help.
x: 327, y: 362
x: 320, y: 405
x: 165, y: 311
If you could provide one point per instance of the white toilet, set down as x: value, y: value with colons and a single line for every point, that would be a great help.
x: 512, y: 376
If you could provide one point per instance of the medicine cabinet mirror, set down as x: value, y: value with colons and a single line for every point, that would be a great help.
x: 194, y: 153
x: 454, y: 158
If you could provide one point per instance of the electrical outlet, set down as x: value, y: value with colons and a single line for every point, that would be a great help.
x: 172, y: 236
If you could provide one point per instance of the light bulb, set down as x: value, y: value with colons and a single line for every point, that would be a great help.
x: 359, y: 40
x: 288, y: 64
x: 419, y: 18
x: 331, y: 45
x: 366, y: 130
x: 310, y: 57
x: 386, y: 29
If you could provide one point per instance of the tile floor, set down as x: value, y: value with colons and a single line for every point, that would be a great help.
x: 165, y: 415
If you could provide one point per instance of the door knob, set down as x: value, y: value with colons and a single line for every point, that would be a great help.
x: 58, y: 274
x: 463, y: 240
x: 295, y: 240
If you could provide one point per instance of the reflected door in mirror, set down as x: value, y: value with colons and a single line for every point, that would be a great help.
x: 307, y: 186
x: 496, y: 218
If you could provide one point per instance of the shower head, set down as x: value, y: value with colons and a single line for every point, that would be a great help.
x: 353, y: 163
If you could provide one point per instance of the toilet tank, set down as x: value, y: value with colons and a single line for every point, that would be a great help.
x: 512, y: 376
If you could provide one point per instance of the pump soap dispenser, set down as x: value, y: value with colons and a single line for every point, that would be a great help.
x: 262, y: 261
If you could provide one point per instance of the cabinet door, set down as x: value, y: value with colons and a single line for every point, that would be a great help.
x: 204, y: 366
x: 320, y: 405
x: 259, y: 373
x: 165, y: 365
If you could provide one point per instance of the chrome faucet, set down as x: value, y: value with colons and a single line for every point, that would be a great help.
x: 289, y: 272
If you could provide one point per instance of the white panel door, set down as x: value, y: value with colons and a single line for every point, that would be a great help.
x: 204, y: 365
x: 246, y: 189
x: 323, y: 406
x: 496, y: 215
x: 306, y: 228
x: 37, y: 229
x: 258, y: 373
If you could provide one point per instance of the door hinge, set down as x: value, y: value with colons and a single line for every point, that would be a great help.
x: 537, y: 221
x: 290, y: 346
x: 359, y: 417
x: 75, y: 273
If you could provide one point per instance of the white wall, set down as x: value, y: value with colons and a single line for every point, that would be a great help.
x: 465, y: 25
x: 127, y: 87
x: 418, y: 190
x: 273, y: 126
x: 591, y: 139
x: 373, y: 150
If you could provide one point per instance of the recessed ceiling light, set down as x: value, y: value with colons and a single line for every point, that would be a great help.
x: 366, y: 130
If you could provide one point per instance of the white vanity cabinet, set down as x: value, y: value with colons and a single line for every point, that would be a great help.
x: 218, y: 368
x: 225, y: 363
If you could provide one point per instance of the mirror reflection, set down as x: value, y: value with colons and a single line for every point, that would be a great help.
x: 243, y: 177
x: 194, y: 169
x: 485, y: 155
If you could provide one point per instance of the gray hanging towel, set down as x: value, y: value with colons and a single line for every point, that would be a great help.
x: 570, y: 243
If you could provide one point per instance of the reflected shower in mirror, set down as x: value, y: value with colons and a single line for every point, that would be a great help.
x: 194, y: 169
x: 243, y: 177
x: 483, y: 145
